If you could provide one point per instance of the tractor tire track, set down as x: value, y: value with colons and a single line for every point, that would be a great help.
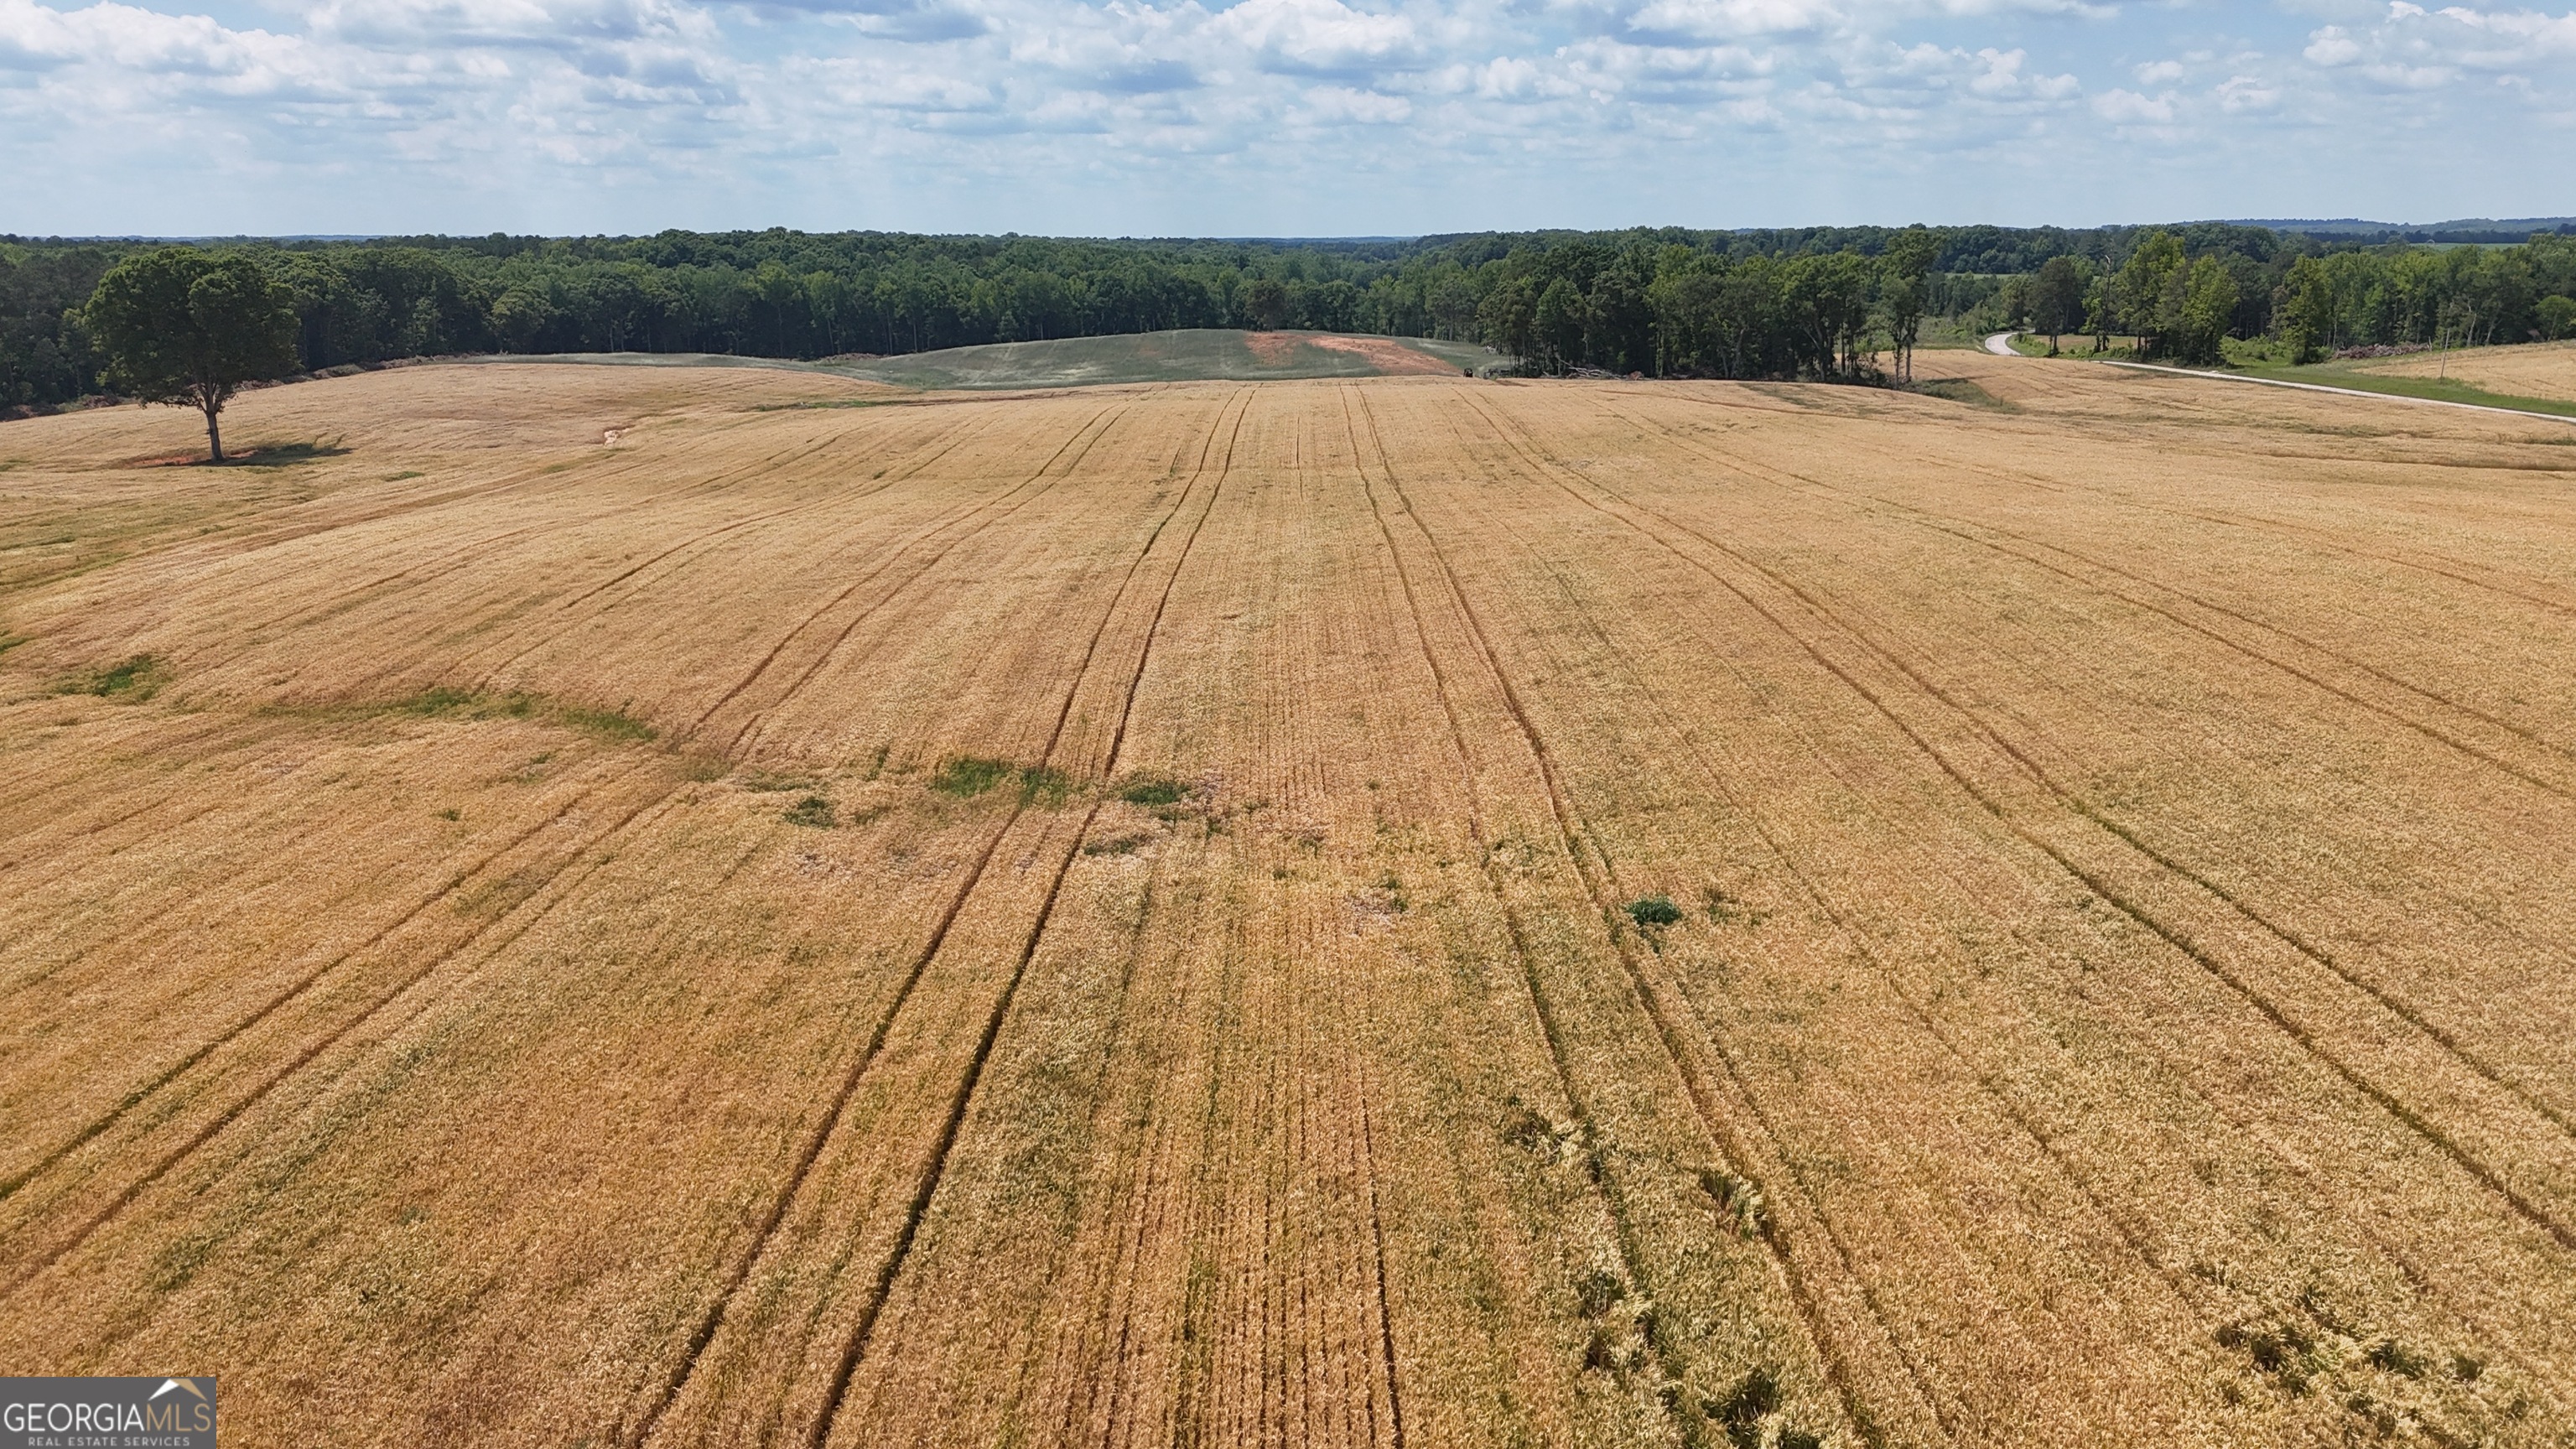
x: 855, y: 1352
x: 2393, y: 1002
x: 162, y: 1167
x: 713, y: 1318
x: 2009, y: 1108
x: 748, y: 736
x: 2479, y: 1170
x: 1845, y: 929
x: 1923, y: 519
x: 706, y: 539
x: 1838, y: 1369
x: 1079, y: 443
x: 276, y: 1003
x: 1541, y: 1009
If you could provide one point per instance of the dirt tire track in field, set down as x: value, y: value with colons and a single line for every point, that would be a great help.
x: 748, y: 737
x: 477, y: 492
x: 1926, y: 520
x: 929, y: 450
x: 212, y: 727
x: 707, y: 537
x: 1772, y: 474
x: 1721, y: 1135
x: 2296, y: 1161
x: 1577, y: 1101
x: 855, y: 1351
x: 2485, y: 1174
x: 313, y: 611
x: 713, y: 1318
x: 315, y: 1049
x: 1377, y: 1266
x: 2298, y: 941
x: 1857, y: 940
x: 1083, y: 437
x: 2444, y: 566
x: 136, y: 1098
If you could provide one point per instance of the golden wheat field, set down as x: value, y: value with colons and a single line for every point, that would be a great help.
x: 2538, y: 369
x: 647, y: 907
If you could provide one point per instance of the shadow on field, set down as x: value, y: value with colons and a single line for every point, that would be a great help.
x: 267, y: 455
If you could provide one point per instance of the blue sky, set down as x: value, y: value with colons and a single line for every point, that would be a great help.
x: 1269, y: 117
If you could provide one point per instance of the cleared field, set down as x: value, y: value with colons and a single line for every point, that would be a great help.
x: 2537, y: 369
x: 1189, y: 355
x: 662, y: 907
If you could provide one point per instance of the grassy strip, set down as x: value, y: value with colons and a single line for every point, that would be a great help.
x: 613, y: 726
x: 2431, y: 388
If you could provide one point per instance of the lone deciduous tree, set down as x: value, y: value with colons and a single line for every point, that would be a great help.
x: 188, y: 328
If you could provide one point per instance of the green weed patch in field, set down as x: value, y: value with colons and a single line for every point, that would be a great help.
x: 1052, y: 787
x: 608, y: 724
x: 1153, y: 790
x: 813, y: 811
x: 1652, y: 911
x: 1962, y: 390
x: 136, y: 677
x: 448, y: 702
x: 967, y: 776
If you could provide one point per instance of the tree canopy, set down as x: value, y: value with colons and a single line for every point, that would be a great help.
x: 1814, y: 302
x: 188, y: 328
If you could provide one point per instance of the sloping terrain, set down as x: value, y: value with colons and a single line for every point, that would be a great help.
x: 2534, y: 369
x: 1190, y: 355
x: 617, y: 906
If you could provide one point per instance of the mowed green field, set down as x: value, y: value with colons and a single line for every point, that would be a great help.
x: 1191, y: 354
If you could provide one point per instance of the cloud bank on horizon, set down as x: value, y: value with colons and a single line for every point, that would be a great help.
x: 1269, y: 117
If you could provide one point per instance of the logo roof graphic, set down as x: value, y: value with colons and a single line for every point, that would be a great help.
x: 168, y: 1384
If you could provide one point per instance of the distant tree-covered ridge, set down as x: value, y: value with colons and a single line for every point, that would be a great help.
x: 1813, y: 302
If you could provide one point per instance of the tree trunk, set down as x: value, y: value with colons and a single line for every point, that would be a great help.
x: 214, y: 435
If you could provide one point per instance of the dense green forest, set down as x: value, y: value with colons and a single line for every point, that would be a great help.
x: 1817, y: 302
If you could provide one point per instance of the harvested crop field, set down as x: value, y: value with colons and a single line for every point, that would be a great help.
x: 657, y: 907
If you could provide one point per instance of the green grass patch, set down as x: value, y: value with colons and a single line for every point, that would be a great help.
x: 441, y: 700
x: 2436, y: 389
x: 11, y: 641
x: 1153, y: 790
x: 967, y: 776
x: 816, y: 403
x: 1185, y: 355
x: 1962, y: 390
x: 615, y: 725
x: 137, y: 677
x: 1042, y: 785
x: 813, y: 811
x: 447, y: 702
x: 1650, y: 911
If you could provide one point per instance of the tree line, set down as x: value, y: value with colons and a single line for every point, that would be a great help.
x: 1814, y: 302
